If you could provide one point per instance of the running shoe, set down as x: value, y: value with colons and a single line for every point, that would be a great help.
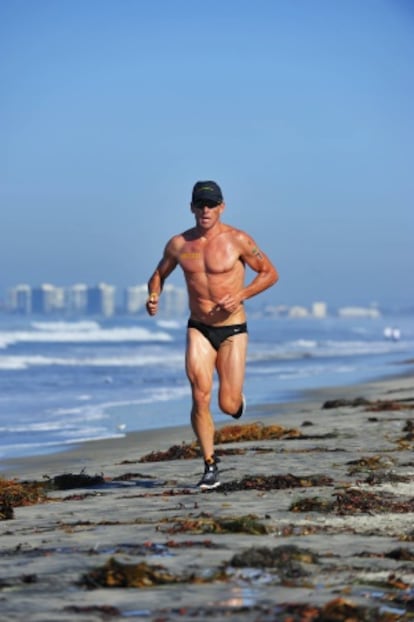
x: 241, y: 410
x: 210, y: 477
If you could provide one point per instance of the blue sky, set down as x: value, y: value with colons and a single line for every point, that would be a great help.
x: 302, y: 110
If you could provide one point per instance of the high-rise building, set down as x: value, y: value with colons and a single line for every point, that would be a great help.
x: 76, y: 298
x: 135, y: 298
x: 173, y: 301
x: 47, y: 298
x: 319, y: 309
x: 19, y: 299
x: 101, y: 300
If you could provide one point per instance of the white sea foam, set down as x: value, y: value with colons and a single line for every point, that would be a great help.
x: 82, y: 332
x: 174, y: 324
x: 60, y: 420
x: 84, y: 325
x: 15, y: 362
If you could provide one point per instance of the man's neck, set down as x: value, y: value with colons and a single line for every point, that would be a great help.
x: 210, y: 232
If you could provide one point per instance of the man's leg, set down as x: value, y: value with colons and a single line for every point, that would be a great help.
x: 231, y: 365
x: 200, y: 362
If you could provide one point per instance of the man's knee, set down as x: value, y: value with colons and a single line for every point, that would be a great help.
x: 201, y: 398
x: 230, y: 404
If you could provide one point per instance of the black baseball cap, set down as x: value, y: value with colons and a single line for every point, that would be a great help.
x: 206, y: 191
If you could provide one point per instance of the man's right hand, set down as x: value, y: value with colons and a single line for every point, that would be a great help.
x: 152, y: 304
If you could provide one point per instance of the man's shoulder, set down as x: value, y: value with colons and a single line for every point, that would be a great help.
x: 181, y: 238
x: 234, y: 232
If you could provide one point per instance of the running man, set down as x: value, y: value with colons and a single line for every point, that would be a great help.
x: 213, y: 257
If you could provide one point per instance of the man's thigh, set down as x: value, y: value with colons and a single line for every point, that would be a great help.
x: 231, y: 363
x: 200, y: 359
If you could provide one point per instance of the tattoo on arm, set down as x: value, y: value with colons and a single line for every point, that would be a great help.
x: 256, y: 252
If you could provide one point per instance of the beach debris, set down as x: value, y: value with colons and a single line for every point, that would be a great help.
x: 16, y: 494
x: 340, y: 403
x: 407, y: 537
x: 384, y: 405
x: 76, y: 480
x: 125, y: 477
x: 185, y: 451
x: 118, y: 574
x: 399, y: 554
x: 369, y: 405
x: 338, y: 610
x: 254, y: 432
x: 205, y: 544
x: 228, y: 434
x: 369, y: 463
x: 6, y: 512
x: 206, y: 523
x: 275, y: 482
x: 107, y: 611
x: 344, y: 610
x: 287, y: 559
x: 355, y: 501
x: 409, y: 428
x: 141, y: 575
x: 312, y: 504
x: 387, y: 477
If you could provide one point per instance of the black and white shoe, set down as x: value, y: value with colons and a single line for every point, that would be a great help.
x: 241, y: 410
x: 210, y: 479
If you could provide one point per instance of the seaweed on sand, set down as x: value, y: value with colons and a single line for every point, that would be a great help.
x: 16, y: 494
x: 409, y: 428
x: 286, y: 559
x: 369, y: 405
x: 275, y: 482
x: 228, y: 434
x: 117, y: 574
x: 68, y: 481
x: 354, y: 501
x: 205, y: 523
x: 399, y: 554
x: 185, y: 451
x: 141, y: 575
x: 254, y: 432
x: 369, y: 463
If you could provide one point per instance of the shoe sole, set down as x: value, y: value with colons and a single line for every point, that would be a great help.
x: 243, y: 408
x: 209, y: 486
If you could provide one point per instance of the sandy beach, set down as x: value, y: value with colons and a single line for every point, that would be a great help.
x: 314, y: 520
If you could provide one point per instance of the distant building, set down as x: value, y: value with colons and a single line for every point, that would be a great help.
x: 319, y: 309
x: 47, y: 299
x: 298, y: 311
x: 370, y: 312
x: 76, y: 298
x: 101, y: 300
x: 173, y: 302
x: 135, y: 298
x: 19, y: 299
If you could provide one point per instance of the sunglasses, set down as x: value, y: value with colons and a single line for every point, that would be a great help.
x: 206, y: 203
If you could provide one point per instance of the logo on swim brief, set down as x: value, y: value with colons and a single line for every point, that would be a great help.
x: 236, y: 329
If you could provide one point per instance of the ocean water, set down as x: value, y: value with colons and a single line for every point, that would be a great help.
x: 66, y: 382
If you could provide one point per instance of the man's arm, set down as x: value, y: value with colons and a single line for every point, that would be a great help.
x: 266, y: 273
x: 156, y: 282
x: 257, y: 260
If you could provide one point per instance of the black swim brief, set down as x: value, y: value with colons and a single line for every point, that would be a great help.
x: 217, y: 334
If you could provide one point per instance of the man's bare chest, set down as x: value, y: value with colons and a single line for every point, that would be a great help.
x: 207, y: 257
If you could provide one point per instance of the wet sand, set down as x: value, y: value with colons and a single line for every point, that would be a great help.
x: 320, y: 521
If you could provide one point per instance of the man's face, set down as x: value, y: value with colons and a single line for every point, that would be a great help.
x: 207, y: 212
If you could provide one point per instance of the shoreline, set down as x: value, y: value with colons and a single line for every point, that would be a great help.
x: 85, y: 455
x: 315, y: 522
